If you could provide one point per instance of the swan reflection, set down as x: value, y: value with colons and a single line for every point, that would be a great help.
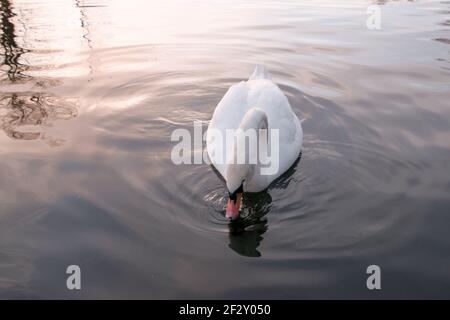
x: 246, y: 233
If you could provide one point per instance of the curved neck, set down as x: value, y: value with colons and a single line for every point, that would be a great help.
x: 249, y: 139
x: 255, y: 118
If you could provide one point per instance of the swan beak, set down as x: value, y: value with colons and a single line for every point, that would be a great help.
x: 233, y: 207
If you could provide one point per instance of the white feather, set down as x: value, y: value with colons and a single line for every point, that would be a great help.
x: 258, y: 92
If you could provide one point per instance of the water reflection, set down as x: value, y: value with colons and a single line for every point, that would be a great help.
x: 12, y: 52
x: 368, y: 188
x: 84, y: 22
x: 246, y: 233
x: 22, y: 110
x: 36, y: 110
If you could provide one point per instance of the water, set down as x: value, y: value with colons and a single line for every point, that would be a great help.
x: 92, y: 90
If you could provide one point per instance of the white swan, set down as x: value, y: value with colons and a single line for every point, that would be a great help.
x: 254, y: 104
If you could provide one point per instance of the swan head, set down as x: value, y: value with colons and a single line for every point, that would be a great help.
x: 235, y: 176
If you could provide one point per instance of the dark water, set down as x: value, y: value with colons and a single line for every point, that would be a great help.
x: 92, y: 90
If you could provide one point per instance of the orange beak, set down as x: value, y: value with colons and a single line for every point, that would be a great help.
x: 233, y: 207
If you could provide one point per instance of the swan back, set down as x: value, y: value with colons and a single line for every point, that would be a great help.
x: 261, y: 93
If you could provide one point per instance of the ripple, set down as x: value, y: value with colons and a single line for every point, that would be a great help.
x: 370, y: 186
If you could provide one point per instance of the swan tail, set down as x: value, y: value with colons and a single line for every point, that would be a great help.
x: 260, y: 73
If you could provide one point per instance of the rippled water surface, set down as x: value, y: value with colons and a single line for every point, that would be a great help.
x: 90, y: 92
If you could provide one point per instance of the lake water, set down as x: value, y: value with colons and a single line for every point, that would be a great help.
x: 90, y: 92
